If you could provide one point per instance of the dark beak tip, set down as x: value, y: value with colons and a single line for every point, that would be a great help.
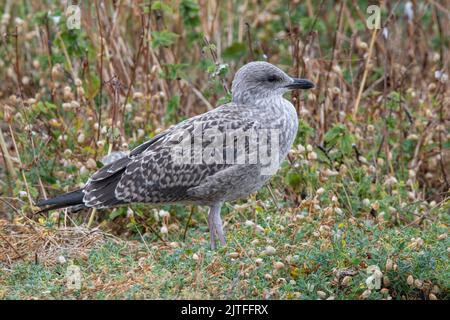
x: 310, y: 85
x: 301, y: 84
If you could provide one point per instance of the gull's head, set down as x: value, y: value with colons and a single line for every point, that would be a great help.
x: 259, y: 80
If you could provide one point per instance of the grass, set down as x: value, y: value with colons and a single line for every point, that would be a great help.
x: 363, y: 194
x: 316, y: 254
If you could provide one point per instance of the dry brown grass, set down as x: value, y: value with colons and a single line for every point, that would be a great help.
x: 33, y: 242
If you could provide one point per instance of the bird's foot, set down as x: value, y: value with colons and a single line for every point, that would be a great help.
x: 212, y: 232
x: 216, y: 230
x: 216, y: 235
x: 219, y: 229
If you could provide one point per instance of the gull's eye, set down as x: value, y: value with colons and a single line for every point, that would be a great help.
x: 273, y: 78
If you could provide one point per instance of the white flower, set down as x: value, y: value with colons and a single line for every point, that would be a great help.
x: 249, y: 223
x: 219, y: 69
x: 441, y: 76
x: 61, y: 260
x: 409, y: 12
x: 18, y: 21
x: 278, y: 265
x: 390, y: 181
x: 301, y: 148
x: 130, y: 212
x: 163, y: 213
x: 56, y: 19
x: 375, y: 277
x: 23, y: 194
x: 270, y: 250
x: 164, y: 230
x: 259, y: 228
x: 385, y: 32
x: 320, y: 191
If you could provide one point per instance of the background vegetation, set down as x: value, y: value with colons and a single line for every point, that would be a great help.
x: 360, y: 210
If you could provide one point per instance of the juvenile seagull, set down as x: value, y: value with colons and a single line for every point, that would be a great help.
x: 152, y: 174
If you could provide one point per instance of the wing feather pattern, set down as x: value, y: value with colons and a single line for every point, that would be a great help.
x: 151, y: 174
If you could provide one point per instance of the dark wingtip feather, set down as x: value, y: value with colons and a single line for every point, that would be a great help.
x: 65, y: 200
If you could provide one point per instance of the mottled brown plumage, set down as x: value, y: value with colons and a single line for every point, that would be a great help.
x: 151, y: 174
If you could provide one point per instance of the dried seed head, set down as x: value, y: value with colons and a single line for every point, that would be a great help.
x: 270, y: 250
x: 249, y: 223
x: 375, y: 276
x: 128, y: 107
x: 418, y: 283
x: 346, y: 281
x: 81, y: 138
x: 281, y: 280
x: 67, y: 153
x: 442, y: 236
x: 25, y: 80
x: 343, y: 169
x: 389, y: 264
x: 312, y: 156
x: 259, y: 228
x: 100, y: 143
x: 386, y: 281
x: 301, y: 149
x: 278, y: 265
x: 410, y: 280
x: 57, y: 72
x: 435, y: 290
x: 432, y: 296
x: 67, y: 93
x: 54, y: 123
x: 233, y: 255
x: 335, y: 91
x: 23, y: 194
x: 83, y: 170
x: 164, y: 229
x: 320, y: 191
x: 366, y: 294
x: 375, y: 206
x: 74, y: 104
x: 390, y: 181
x: 321, y: 294
x: 36, y: 64
x: 61, y: 260
x: 138, y: 95
x: 268, y: 277
x: 331, y: 173
x: 163, y: 213
x: 337, y: 69
x: 91, y: 164
x: 361, y: 44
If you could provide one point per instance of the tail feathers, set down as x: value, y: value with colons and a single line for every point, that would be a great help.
x: 74, y: 198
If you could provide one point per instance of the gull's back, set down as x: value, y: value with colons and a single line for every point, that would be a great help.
x: 151, y: 173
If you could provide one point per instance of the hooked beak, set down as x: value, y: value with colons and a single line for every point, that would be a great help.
x: 300, y: 84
